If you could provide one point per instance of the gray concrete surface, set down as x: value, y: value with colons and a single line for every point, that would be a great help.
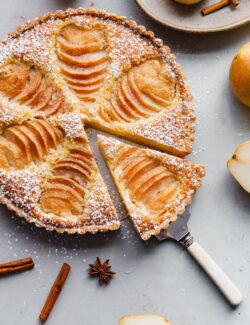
x: 151, y: 277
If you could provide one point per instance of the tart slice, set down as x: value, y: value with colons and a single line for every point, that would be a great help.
x: 155, y: 187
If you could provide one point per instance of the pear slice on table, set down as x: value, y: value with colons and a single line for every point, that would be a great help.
x: 239, y: 165
x: 147, y: 319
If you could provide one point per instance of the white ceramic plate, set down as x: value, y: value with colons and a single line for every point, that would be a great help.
x: 189, y: 18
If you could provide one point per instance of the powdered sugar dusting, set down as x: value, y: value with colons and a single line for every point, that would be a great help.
x: 110, y: 146
x: 168, y: 129
x: 127, y: 48
x: 22, y: 188
x: 98, y: 207
x: 32, y: 45
x: 72, y: 125
x: 7, y: 115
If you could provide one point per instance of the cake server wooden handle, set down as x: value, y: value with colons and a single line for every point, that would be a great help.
x: 226, y: 286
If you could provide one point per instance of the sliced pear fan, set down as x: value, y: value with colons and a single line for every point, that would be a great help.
x: 83, y: 60
x: 239, y: 165
x: 65, y: 190
x: 30, y: 141
x: 25, y: 84
x: 143, y: 91
x: 143, y: 320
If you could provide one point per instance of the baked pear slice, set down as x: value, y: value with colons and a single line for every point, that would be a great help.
x: 26, y: 84
x: 147, y: 319
x: 239, y: 165
x: 83, y: 58
x: 155, y: 187
x: 30, y: 141
x: 71, y: 175
x: 146, y: 106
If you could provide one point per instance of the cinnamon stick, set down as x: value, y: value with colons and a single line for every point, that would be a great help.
x: 218, y: 5
x: 16, y: 266
x: 54, y: 292
x: 235, y: 2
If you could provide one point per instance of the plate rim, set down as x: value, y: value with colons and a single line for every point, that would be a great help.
x: 230, y: 26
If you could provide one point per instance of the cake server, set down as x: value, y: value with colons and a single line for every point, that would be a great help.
x: 178, y: 231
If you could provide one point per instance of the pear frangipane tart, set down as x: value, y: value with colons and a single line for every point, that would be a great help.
x: 155, y: 187
x: 77, y: 67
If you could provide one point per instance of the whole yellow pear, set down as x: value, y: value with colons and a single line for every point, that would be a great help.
x: 240, y: 74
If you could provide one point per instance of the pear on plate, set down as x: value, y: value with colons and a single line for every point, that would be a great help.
x: 148, y: 319
x: 239, y: 165
x: 188, y: 2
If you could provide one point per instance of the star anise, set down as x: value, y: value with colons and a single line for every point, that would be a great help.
x: 101, y: 270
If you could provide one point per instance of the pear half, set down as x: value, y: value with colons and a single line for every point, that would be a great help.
x: 147, y: 319
x: 239, y: 165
